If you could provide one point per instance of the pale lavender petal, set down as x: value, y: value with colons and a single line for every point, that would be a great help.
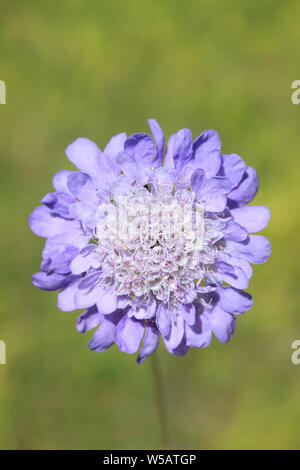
x: 256, y: 249
x: 128, y: 335
x: 85, y: 298
x: 88, y: 320
x: 207, y: 152
x: 253, y: 218
x: 66, y: 298
x: 189, y: 313
x: 208, y: 141
x: 44, y: 224
x: 150, y: 343
x: 59, y: 180
x: 86, y: 156
x: 159, y: 139
x: 214, y: 201
x: 233, y: 167
x: 59, y: 203
x: 49, y: 281
x: 128, y: 165
x: 121, y: 187
x: 222, y: 324
x: 234, y: 231
x: 89, y: 281
x: 58, y: 258
x: 145, y: 311
x: 197, y: 181
x: 182, y: 148
x: 199, y: 334
x: 163, y: 320
x: 84, y: 213
x: 83, y: 261
x: 247, y: 189
x: 177, y: 331
x: 104, y: 337
x: 181, y: 349
x: 107, y: 302
x: 140, y: 147
x: 218, y: 184
x: 239, y: 262
x: 234, y: 300
x: 169, y: 161
x: 233, y: 275
x: 81, y: 187
x: 115, y: 145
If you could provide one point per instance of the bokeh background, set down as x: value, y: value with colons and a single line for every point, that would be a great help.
x: 93, y: 69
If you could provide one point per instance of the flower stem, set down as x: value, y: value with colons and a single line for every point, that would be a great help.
x: 159, y: 399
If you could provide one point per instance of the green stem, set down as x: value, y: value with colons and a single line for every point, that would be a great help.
x: 159, y: 399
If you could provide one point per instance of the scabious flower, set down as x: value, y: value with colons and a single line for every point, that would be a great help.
x: 152, y: 243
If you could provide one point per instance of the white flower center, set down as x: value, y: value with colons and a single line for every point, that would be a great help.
x: 157, y: 244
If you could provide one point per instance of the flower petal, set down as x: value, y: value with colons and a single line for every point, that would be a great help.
x: 140, y: 147
x: 233, y: 275
x: 234, y: 231
x: 108, y: 301
x: 58, y: 258
x: 214, y: 202
x: 233, y: 167
x: 176, y: 333
x: 84, y: 260
x: 247, y: 189
x: 253, y: 218
x: 150, y: 343
x: 84, y: 213
x: 234, y: 300
x: 49, y: 282
x: 145, y: 311
x: 207, y: 152
x: 58, y: 203
x: 159, y: 139
x: 81, y: 187
x: 88, y: 320
x: 163, y: 320
x: 208, y: 141
x: 44, y: 224
x: 256, y: 249
x: 115, y: 145
x: 222, y: 324
x: 182, y: 148
x: 86, y: 156
x: 104, y: 337
x: 66, y: 298
x: 197, y: 181
x: 128, y: 165
x: 169, y: 161
x: 85, y: 298
x: 121, y: 187
x: 128, y: 335
x: 59, y: 180
x: 199, y: 334
x: 239, y: 262
x: 189, y: 313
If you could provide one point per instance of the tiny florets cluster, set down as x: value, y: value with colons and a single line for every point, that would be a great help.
x: 152, y: 242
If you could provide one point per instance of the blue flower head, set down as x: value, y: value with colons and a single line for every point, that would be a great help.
x: 152, y: 243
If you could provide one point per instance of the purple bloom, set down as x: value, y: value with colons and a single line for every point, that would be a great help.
x: 151, y: 242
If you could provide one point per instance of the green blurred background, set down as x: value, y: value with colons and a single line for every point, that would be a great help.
x: 96, y: 68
